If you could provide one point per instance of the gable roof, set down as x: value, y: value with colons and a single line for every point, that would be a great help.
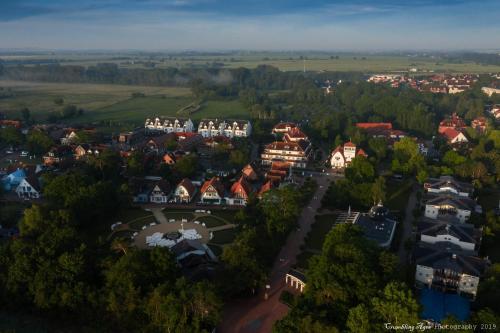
x: 241, y: 187
x: 249, y: 172
x: 188, y: 186
x: 451, y: 133
x: 215, y: 183
x: 441, y: 259
x: 374, y: 125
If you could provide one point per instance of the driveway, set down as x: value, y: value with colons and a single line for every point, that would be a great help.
x: 407, y: 226
x: 257, y: 315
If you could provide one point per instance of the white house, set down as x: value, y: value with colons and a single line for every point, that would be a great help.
x: 160, y: 192
x: 212, y: 191
x: 211, y: 127
x: 237, y: 129
x: 342, y: 156
x: 445, y: 206
x: 461, y: 236
x: 185, y: 191
x: 169, y: 125
x: 448, y: 271
x: 29, y: 188
x: 448, y: 185
x: 454, y: 136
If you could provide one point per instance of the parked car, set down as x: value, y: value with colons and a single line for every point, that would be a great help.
x: 24, y: 153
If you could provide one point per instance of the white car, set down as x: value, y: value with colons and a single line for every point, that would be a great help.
x: 24, y: 153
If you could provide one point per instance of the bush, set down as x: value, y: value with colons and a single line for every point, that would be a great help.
x: 287, y: 298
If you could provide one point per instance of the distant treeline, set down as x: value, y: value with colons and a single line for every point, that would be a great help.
x: 262, y: 77
x: 479, y: 58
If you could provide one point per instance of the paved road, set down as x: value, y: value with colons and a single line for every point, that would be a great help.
x: 407, y: 226
x: 256, y: 315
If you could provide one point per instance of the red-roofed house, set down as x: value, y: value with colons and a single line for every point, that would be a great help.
x: 342, y: 156
x: 455, y: 122
x: 283, y: 127
x: 185, y: 191
x: 454, y: 136
x: 387, y: 126
x: 240, y: 192
x: 266, y: 187
x: 479, y: 124
x: 295, y: 153
x: 212, y: 191
x: 249, y: 173
x: 295, y: 135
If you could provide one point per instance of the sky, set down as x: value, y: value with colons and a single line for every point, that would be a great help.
x: 175, y: 25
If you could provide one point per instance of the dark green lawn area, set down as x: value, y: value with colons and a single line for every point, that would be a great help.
x: 319, y: 230
x: 217, y: 250
x: 178, y: 214
x: 137, y: 224
x: 224, y: 236
x: 128, y: 215
x: 126, y: 234
x: 491, y: 247
x: 227, y: 215
x: 397, y: 194
x: 488, y: 199
x: 210, y: 221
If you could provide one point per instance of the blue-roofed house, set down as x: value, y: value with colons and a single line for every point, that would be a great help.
x: 12, y: 180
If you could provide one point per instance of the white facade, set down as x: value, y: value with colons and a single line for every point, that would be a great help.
x: 459, y: 138
x: 158, y: 196
x: 228, y: 128
x: 466, y: 283
x: 169, y: 125
x: 182, y: 194
x: 433, y: 211
x: 447, y: 238
x: 26, y: 190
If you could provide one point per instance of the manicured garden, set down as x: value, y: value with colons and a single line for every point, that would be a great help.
x: 211, y: 221
x: 224, y: 236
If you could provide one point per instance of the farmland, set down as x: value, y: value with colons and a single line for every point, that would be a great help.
x: 285, y: 61
x: 111, y: 103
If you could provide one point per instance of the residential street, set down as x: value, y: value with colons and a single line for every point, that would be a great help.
x: 256, y: 314
x: 406, y: 227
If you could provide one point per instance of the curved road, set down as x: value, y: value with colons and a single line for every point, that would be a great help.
x: 257, y: 315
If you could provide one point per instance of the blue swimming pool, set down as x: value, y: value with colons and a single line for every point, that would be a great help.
x: 438, y: 305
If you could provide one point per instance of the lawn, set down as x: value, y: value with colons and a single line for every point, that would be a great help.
x: 178, y: 215
x: 316, y: 237
x: 230, y: 109
x: 217, y: 250
x: 489, y: 198
x: 224, y: 236
x: 210, y: 221
x: 39, y: 97
x: 137, y: 224
x: 227, y: 215
x: 128, y: 215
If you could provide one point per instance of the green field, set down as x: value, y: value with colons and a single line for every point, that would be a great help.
x: 286, y: 61
x: 314, y: 62
x: 110, y: 103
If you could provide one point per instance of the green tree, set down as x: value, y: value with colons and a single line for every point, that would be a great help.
x: 10, y: 136
x: 379, y: 190
x: 187, y: 166
x: 360, y: 170
x: 396, y: 305
x: 280, y: 208
x: 38, y: 142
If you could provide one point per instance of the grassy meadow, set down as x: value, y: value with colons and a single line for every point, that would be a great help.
x: 314, y: 62
x: 110, y: 103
